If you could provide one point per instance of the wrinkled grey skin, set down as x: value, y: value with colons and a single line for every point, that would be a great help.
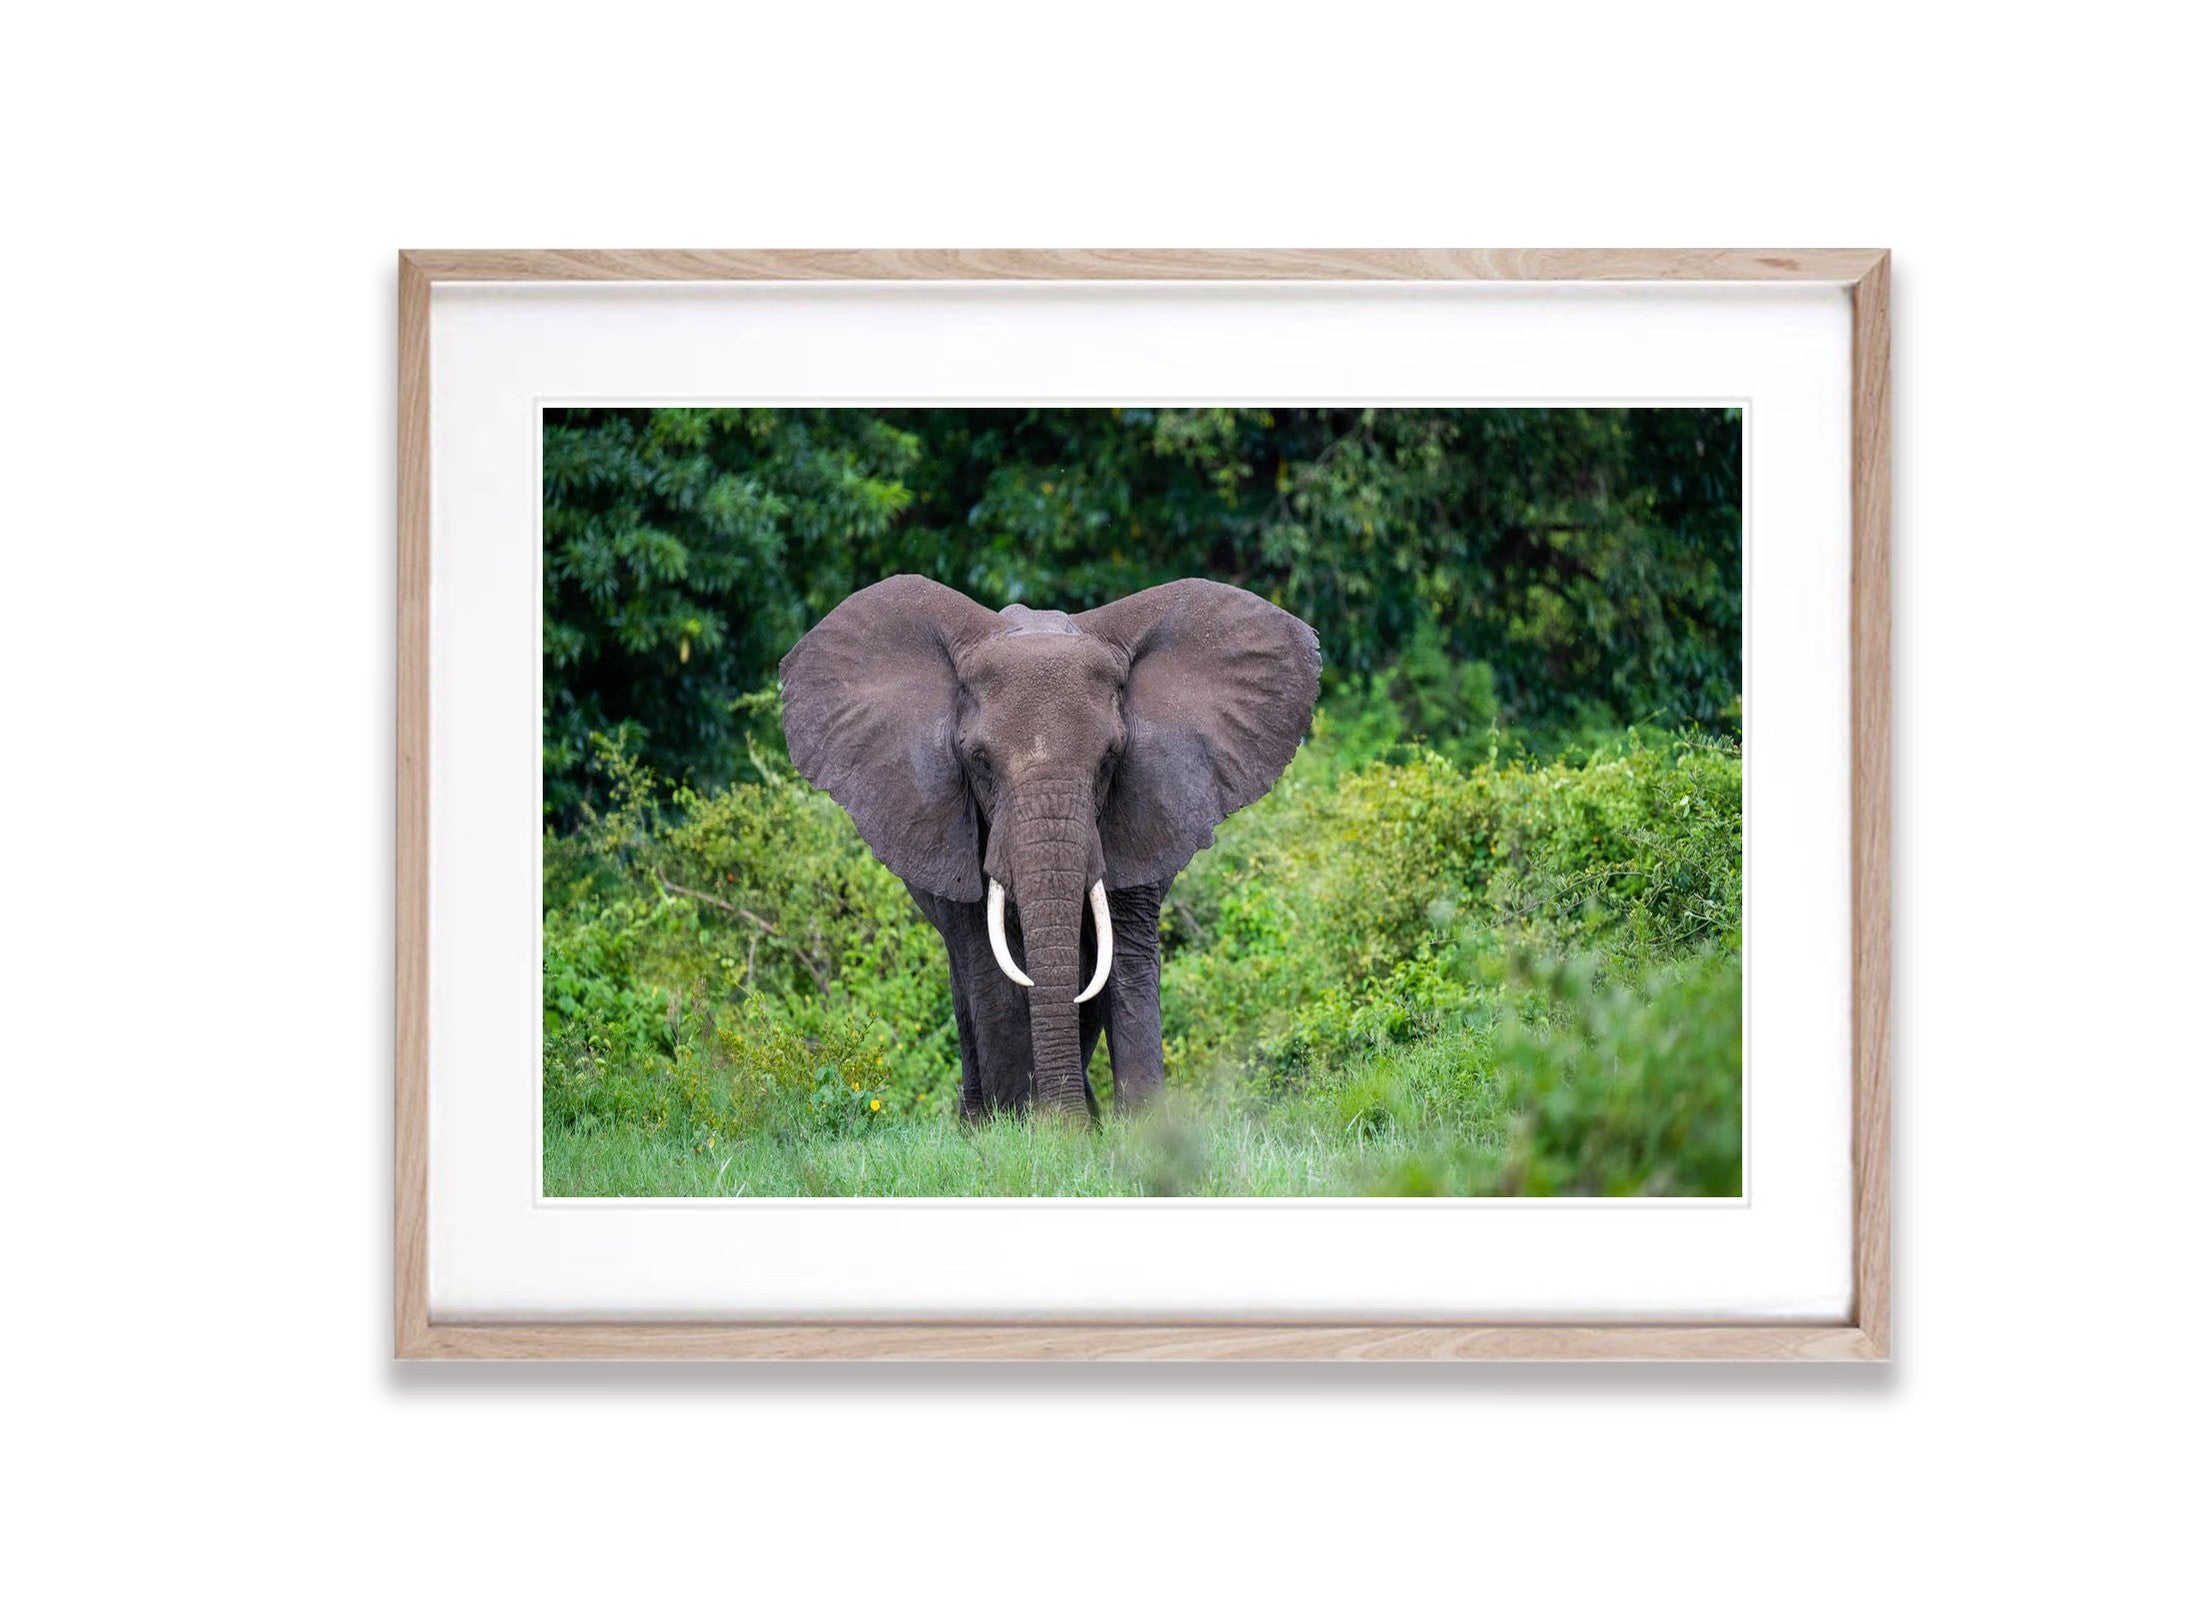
x: 1048, y: 752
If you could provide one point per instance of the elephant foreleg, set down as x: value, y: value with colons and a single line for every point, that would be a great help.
x: 991, y: 1020
x: 1134, y: 995
x: 972, y: 1101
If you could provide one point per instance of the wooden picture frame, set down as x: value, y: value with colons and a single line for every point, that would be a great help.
x: 1862, y: 1336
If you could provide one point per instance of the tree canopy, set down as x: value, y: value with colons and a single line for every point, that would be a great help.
x: 1536, y: 568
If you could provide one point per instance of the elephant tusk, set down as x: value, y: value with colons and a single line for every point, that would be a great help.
x: 996, y: 923
x: 1105, y: 926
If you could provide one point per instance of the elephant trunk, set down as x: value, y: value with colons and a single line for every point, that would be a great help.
x: 1052, y: 850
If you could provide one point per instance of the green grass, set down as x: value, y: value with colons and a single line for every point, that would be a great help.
x: 1426, y: 1116
x: 1244, y: 1156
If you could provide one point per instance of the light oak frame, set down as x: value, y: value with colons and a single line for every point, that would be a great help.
x: 1863, y: 1336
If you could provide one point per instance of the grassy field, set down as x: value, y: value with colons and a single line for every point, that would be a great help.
x: 1419, y: 1120
x: 1010, y: 1158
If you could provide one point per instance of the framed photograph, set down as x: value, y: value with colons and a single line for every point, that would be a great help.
x: 1143, y: 804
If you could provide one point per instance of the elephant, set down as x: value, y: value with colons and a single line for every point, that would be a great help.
x: 1037, y: 780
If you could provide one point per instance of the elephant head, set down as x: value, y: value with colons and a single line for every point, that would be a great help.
x: 1042, y: 757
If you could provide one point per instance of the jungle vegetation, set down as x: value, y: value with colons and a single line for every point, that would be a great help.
x: 1483, y: 937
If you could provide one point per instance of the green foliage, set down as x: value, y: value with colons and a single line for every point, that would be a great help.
x: 1631, y: 1091
x: 684, y: 551
x: 1612, y: 1091
x: 1600, y: 1090
x: 733, y: 963
x: 611, y: 1038
x: 1399, y: 975
x: 718, y: 1076
x: 1536, y: 571
x: 1351, y: 901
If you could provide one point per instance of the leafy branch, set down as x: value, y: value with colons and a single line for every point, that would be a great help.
x: 809, y: 962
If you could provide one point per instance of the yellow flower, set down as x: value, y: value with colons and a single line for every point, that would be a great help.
x: 874, y: 1105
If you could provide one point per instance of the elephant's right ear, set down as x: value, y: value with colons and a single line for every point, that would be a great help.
x: 869, y: 699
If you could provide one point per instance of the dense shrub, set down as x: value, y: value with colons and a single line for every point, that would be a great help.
x: 1631, y: 1090
x: 1349, y: 898
x: 1615, y: 1090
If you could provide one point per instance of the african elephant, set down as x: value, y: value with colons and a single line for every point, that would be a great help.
x: 1044, y: 762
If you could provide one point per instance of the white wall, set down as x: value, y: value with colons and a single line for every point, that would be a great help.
x: 197, y: 629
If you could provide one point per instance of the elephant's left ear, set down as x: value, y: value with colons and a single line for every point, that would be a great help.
x: 1220, y: 693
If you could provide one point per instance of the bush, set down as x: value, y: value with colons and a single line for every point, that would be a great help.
x: 1612, y: 1091
x: 727, y: 1076
x: 1348, y: 893
x: 1629, y: 1090
x: 704, y: 962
